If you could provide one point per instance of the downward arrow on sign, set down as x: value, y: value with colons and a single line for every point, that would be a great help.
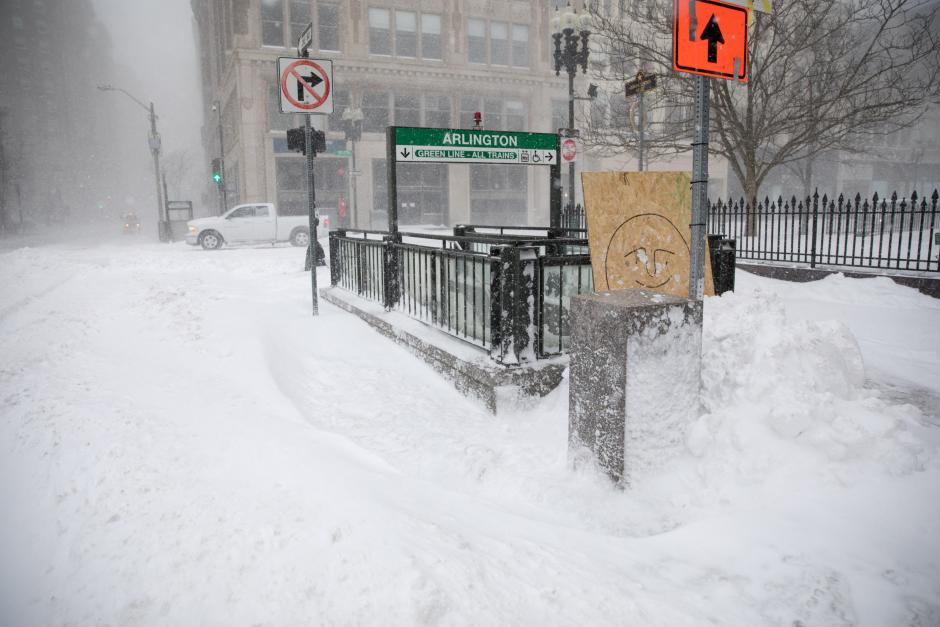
x: 405, y: 153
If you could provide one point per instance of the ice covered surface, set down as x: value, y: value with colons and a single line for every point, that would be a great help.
x: 182, y: 444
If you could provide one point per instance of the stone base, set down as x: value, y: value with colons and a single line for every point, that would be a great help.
x: 635, y: 378
x: 470, y: 369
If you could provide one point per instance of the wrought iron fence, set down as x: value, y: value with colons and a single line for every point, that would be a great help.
x: 893, y: 234
x: 885, y: 233
x: 506, y: 293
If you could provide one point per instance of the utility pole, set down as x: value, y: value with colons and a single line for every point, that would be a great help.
x: 163, y: 227
x: 153, y: 141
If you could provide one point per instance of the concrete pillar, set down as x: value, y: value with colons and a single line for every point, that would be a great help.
x: 634, y: 380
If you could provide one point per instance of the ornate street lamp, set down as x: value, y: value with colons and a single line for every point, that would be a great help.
x: 571, y: 33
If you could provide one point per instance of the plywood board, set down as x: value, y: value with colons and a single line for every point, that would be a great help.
x: 638, y: 231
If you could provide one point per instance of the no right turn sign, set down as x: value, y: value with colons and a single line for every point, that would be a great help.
x: 306, y: 85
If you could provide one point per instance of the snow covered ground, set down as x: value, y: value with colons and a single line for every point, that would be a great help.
x: 181, y: 443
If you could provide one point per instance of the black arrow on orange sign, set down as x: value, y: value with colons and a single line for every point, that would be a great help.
x: 712, y: 34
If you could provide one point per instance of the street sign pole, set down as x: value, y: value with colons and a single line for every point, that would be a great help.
x: 311, y: 212
x: 709, y: 39
x: 642, y: 129
x: 554, y: 197
x: 391, y: 146
x: 311, y: 207
x: 699, y: 190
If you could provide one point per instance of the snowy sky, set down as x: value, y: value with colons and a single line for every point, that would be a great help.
x: 155, y: 37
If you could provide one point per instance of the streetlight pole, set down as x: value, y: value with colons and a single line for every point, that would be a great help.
x: 353, y: 119
x: 569, y: 55
x: 223, y: 193
x: 154, y: 142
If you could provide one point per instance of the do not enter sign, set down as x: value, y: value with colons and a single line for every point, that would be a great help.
x: 569, y: 150
x: 306, y: 85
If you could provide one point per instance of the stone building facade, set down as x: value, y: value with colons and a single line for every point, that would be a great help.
x: 401, y: 62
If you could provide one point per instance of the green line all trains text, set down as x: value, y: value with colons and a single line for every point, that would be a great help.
x: 466, y: 154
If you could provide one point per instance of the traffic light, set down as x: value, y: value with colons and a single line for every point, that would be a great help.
x: 217, y: 171
x: 296, y: 142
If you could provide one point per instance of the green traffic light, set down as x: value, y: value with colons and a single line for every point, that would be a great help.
x: 217, y: 177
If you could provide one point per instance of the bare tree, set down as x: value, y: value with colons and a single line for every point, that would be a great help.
x: 823, y: 75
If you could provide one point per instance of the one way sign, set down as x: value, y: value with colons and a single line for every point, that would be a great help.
x: 710, y: 38
x: 306, y: 85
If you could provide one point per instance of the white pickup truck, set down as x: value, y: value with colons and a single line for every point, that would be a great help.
x: 256, y: 222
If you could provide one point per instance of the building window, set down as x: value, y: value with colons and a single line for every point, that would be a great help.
x: 340, y: 104
x: 328, y: 26
x: 407, y: 110
x: 476, y: 40
x: 431, y: 36
x: 291, y: 185
x: 404, y: 41
x: 277, y: 121
x: 499, y: 43
x: 520, y: 45
x: 468, y: 105
x: 380, y: 41
x: 406, y: 34
x: 498, y: 194
x: 515, y: 116
x: 330, y: 175
x: 493, y: 114
x: 437, y: 111
x: 422, y: 193
x: 375, y: 111
x: 299, y: 19
x: 272, y: 22
x: 498, y: 114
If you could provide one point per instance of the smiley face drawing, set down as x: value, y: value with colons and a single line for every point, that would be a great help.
x: 647, y: 251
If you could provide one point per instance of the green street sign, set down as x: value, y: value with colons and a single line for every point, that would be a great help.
x: 444, y: 145
x: 343, y: 153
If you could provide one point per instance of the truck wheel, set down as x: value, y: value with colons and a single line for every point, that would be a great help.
x: 210, y: 240
x: 300, y: 237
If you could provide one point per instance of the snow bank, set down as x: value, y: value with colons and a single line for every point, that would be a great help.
x: 780, y: 391
x: 180, y: 443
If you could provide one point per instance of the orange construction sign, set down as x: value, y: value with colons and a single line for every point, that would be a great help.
x: 710, y: 38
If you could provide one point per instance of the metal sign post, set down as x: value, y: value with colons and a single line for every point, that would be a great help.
x: 639, y: 86
x: 699, y: 190
x: 311, y: 211
x: 709, y: 39
x: 306, y: 86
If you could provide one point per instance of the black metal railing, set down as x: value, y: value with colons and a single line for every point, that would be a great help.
x: 505, y: 291
x: 880, y: 233
x: 891, y: 234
